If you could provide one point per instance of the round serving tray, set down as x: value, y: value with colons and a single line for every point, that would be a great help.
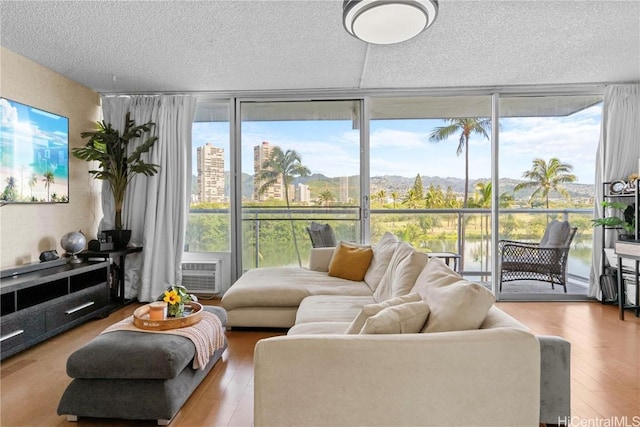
x: 142, y: 321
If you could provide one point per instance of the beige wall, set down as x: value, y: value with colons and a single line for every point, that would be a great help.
x: 27, y: 230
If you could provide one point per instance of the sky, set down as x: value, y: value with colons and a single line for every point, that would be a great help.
x: 402, y: 147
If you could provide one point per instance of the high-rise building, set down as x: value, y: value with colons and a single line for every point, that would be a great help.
x: 344, y: 189
x: 210, y: 163
x: 303, y: 193
x: 261, y: 154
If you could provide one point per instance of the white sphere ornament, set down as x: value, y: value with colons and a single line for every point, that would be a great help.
x: 73, y: 243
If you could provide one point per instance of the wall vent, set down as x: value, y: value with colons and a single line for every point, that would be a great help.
x: 202, y: 277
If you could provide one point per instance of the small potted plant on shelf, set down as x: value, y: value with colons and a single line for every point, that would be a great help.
x: 624, y: 221
x: 108, y: 147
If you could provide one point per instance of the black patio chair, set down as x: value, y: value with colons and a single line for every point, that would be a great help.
x: 545, y: 261
x: 321, y: 235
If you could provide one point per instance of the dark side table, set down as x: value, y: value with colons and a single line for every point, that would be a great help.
x: 121, y: 254
x: 447, y: 256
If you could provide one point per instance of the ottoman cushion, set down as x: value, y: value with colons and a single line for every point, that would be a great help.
x: 134, y: 355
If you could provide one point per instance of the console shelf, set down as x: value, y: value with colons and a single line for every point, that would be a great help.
x: 36, y: 305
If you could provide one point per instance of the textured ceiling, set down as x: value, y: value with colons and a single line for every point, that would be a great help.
x: 236, y: 46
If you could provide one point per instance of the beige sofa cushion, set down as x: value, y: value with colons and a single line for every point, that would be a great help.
x: 456, y: 304
x: 382, y: 253
x: 331, y: 308
x: 319, y: 328
x: 404, y: 274
x: 350, y: 261
x: 320, y: 258
x: 408, y: 318
x: 372, y: 309
x: 286, y: 287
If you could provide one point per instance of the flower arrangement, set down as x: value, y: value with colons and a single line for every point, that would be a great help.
x: 175, y: 297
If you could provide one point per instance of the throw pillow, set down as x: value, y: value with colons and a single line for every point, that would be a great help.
x: 382, y: 253
x: 384, y: 291
x: 556, y: 234
x: 407, y: 273
x: 435, y: 274
x: 373, y: 309
x: 458, y: 307
x: 408, y: 318
x: 350, y: 262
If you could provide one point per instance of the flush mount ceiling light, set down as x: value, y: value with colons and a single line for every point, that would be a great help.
x: 387, y: 21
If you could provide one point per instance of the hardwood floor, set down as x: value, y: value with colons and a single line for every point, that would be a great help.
x: 605, y: 370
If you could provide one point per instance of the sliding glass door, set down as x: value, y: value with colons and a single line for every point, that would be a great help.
x: 299, y: 163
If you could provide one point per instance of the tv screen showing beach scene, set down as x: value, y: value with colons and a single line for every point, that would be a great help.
x: 34, y: 155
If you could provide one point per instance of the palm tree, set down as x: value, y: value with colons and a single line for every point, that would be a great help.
x: 48, y: 180
x: 32, y: 183
x: 394, y: 196
x: 380, y: 196
x: 546, y: 177
x: 10, y: 193
x: 466, y: 126
x: 326, y: 197
x: 283, y: 167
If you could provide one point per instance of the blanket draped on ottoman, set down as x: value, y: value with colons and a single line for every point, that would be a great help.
x: 207, y: 335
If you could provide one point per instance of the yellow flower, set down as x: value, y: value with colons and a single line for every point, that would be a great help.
x: 172, y: 297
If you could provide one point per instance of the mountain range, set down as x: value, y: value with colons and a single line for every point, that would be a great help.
x: 400, y: 184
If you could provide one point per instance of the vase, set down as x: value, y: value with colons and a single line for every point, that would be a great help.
x: 175, y: 310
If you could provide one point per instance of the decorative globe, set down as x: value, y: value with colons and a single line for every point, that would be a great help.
x: 73, y: 243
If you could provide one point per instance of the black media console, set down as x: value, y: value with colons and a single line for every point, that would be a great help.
x: 43, y: 300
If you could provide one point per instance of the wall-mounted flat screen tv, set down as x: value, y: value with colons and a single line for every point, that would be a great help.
x: 34, y: 155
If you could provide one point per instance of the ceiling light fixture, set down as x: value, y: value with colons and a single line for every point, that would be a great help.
x: 388, y: 21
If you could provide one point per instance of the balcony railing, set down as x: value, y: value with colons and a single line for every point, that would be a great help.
x: 267, y: 232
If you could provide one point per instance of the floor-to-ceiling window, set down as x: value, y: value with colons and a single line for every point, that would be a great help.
x: 300, y: 162
x: 207, y: 258
x: 547, y: 170
x: 430, y: 179
x: 422, y: 164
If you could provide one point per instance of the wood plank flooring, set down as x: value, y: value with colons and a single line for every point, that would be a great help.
x: 605, y: 370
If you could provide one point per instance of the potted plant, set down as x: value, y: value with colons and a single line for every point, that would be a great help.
x: 108, y: 147
x: 625, y: 221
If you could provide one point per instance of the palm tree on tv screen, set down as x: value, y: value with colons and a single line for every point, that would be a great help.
x: 283, y: 166
x: 546, y: 177
x: 48, y: 180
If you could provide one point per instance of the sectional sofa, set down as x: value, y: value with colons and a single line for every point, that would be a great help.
x: 403, y: 340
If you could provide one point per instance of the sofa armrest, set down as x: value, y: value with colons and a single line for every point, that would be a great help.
x: 555, y: 379
x: 466, y: 378
x: 320, y: 258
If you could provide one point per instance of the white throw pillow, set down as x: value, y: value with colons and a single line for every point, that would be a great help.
x: 384, y: 290
x: 435, y: 274
x: 408, y: 318
x: 382, y: 253
x: 456, y: 304
x: 458, y: 307
x: 372, y: 309
x: 407, y: 273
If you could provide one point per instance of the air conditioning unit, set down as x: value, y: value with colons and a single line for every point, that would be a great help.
x: 202, y: 277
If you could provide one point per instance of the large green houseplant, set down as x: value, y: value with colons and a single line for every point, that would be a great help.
x: 625, y: 220
x: 108, y: 147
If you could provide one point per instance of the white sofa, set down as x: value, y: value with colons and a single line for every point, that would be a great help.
x: 492, y: 373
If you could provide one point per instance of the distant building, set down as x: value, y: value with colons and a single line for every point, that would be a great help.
x: 303, y: 193
x: 344, y: 189
x: 261, y: 154
x: 210, y: 173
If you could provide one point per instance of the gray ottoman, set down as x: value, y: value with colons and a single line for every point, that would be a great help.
x: 134, y: 375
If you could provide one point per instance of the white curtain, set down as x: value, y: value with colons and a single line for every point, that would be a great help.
x: 155, y: 208
x: 617, y: 157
